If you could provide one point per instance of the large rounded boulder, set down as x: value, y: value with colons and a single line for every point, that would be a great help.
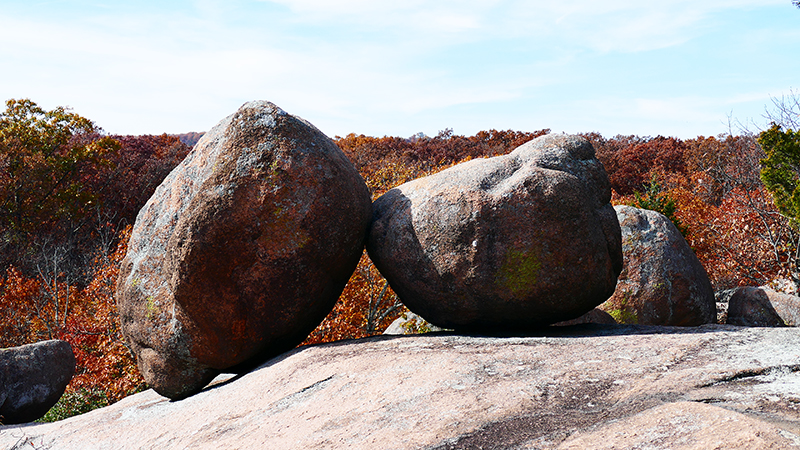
x: 663, y: 282
x: 512, y: 242
x: 241, y: 251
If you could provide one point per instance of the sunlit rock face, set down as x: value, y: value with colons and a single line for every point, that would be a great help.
x: 506, y: 243
x: 663, y: 282
x: 242, y: 250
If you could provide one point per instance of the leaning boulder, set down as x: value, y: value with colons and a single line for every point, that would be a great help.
x: 663, y: 282
x: 511, y: 242
x: 763, y: 307
x: 241, y: 251
x: 32, y: 379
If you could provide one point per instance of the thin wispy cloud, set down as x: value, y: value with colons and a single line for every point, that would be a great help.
x: 381, y: 67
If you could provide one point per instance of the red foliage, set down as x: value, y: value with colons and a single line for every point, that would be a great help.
x: 86, y: 318
x: 631, y: 160
x: 390, y: 161
x: 19, y: 294
x: 103, y: 360
x: 366, y: 307
x: 134, y: 173
x: 732, y: 226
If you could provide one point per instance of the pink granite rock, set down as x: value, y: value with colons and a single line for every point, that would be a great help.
x: 763, y: 307
x: 663, y: 282
x: 242, y: 250
x: 624, y: 387
x: 512, y: 242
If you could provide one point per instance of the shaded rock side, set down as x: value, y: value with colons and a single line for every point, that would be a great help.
x: 663, y: 282
x: 32, y: 379
x: 596, y: 315
x: 763, y: 307
x: 589, y: 384
x: 241, y: 251
x: 511, y: 242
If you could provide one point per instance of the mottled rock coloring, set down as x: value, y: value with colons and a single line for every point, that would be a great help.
x: 32, y: 379
x: 505, y: 243
x: 663, y: 282
x: 763, y: 307
x: 242, y: 250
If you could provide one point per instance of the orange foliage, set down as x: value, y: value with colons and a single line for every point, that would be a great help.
x: 390, y: 161
x: 366, y: 307
x: 86, y: 318
x: 16, y: 304
x: 103, y: 360
x: 732, y: 226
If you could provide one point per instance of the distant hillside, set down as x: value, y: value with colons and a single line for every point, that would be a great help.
x: 190, y: 138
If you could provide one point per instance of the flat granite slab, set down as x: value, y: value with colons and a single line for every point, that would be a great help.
x: 578, y: 387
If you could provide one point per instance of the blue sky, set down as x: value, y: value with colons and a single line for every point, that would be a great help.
x: 674, y: 67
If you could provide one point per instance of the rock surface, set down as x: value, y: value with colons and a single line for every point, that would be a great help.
x: 32, y: 379
x: 511, y: 242
x: 441, y: 391
x: 763, y: 307
x: 685, y: 425
x: 241, y: 251
x: 663, y: 282
x: 596, y: 315
x: 410, y: 323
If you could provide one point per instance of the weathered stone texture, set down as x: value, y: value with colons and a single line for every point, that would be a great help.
x: 763, y: 307
x: 663, y: 282
x: 511, y: 242
x: 32, y: 379
x: 589, y: 386
x: 242, y: 250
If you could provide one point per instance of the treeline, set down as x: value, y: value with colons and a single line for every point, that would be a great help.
x: 69, y: 193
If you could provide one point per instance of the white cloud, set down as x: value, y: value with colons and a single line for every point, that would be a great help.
x: 355, y: 63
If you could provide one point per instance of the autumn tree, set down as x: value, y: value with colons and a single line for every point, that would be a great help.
x: 630, y: 161
x: 67, y: 194
x: 43, y: 156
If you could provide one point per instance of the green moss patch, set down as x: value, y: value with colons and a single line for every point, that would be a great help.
x: 520, y: 270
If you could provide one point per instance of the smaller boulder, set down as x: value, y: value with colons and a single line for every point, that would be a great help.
x: 662, y: 281
x: 763, y: 307
x: 32, y: 379
x: 410, y: 323
x: 596, y: 315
